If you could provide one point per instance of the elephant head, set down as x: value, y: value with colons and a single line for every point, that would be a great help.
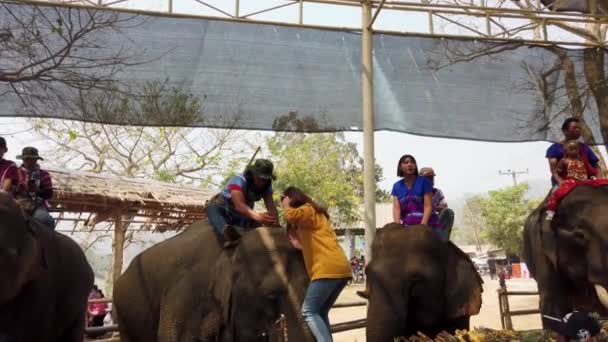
x: 573, y: 257
x: 262, y: 279
x: 20, y: 253
x: 417, y: 283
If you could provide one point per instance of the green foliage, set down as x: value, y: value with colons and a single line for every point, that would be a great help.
x: 325, y: 166
x: 504, y: 213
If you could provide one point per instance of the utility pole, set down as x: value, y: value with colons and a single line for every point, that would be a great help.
x: 513, y: 173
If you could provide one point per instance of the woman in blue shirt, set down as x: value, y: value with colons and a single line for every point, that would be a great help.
x: 413, y: 197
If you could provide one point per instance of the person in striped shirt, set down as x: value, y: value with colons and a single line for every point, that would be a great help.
x: 440, y: 206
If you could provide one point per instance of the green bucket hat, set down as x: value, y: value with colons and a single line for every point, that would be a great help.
x: 263, y: 168
x: 29, y: 153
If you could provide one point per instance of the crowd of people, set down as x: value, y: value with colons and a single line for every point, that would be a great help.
x: 29, y: 185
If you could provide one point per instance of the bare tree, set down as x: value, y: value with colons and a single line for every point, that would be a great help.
x: 473, y: 221
x: 47, y: 53
x: 170, y: 154
x: 568, y: 85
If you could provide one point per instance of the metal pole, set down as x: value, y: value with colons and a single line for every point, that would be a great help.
x: 371, y: 23
x: 170, y: 6
x: 237, y: 8
x: 367, y: 85
x: 301, y: 19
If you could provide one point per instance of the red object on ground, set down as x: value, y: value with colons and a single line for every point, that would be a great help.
x: 567, y: 186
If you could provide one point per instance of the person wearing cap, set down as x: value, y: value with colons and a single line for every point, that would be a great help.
x: 574, y: 326
x: 34, y: 187
x: 440, y: 206
x: 233, y: 206
x: 8, y: 170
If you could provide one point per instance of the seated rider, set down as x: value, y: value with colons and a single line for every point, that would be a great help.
x: 234, y: 205
x: 570, y: 169
x: 572, y: 131
x: 440, y: 206
x: 34, y: 188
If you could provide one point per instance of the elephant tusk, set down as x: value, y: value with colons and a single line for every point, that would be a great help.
x: 602, y: 294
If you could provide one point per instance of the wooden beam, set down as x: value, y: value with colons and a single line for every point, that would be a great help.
x: 103, y: 216
x: 119, y: 244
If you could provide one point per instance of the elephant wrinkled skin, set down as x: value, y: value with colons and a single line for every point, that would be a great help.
x: 187, y: 288
x: 418, y: 283
x: 45, y: 281
x: 567, y: 257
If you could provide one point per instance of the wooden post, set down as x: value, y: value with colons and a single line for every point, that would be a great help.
x: 119, y: 244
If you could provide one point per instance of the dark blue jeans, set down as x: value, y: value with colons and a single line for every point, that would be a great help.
x: 41, y: 214
x: 320, y: 297
x: 220, y: 213
x: 446, y: 221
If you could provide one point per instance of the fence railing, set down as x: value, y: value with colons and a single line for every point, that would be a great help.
x: 335, y: 328
x: 505, y: 311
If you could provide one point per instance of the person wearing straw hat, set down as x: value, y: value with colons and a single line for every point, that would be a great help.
x: 34, y: 187
x: 232, y: 209
x: 8, y: 170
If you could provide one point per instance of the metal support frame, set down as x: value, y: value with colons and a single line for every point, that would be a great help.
x: 536, y: 16
x: 367, y: 90
x: 464, y: 12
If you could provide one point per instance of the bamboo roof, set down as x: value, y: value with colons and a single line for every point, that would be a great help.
x: 98, y: 197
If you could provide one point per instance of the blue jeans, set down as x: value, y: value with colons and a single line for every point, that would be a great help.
x: 320, y: 297
x: 220, y: 213
x: 41, y: 214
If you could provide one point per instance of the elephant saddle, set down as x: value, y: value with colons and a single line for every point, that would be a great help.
x: 567, y: 186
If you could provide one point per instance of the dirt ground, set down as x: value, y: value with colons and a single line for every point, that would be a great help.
x: 489, y: 316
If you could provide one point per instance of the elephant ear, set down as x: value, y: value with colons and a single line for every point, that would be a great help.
x: 221, y: 287
x: 464, y: 285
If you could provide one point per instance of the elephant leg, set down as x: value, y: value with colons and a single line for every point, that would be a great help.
x: 180, y: 312
x: 75, y: 332
x: 210, y: 326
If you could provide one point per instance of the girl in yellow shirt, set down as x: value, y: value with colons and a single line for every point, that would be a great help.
x: 328, y: 268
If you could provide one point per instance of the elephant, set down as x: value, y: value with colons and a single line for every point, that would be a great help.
x: 45, y: 281
x: 567, y: 256
x: 189, y: 288
x: 417, y: 283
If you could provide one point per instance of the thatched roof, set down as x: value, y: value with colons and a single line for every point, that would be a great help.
x: 155, y: 205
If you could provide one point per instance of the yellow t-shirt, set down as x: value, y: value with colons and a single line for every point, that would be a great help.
x: 323, y: 256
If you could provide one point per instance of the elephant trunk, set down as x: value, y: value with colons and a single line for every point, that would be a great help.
x: 386, y: 315
x: 602, y: 295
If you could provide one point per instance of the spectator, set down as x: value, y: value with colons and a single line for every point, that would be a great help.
x: 97, y: 311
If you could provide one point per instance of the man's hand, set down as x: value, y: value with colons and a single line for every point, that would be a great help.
x: 265, y: 218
